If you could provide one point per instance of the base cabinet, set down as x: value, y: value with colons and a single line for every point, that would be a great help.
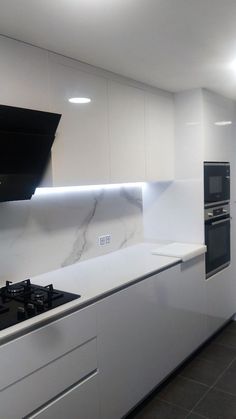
x: 220, y: 290
x: 80, y: 402
x: 61, y: 356
x: 145, y: 331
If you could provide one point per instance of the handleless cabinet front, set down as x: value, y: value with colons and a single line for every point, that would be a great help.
x: 126, y: 133
x: 79, y: 402
x: 80, y: 154
x: 147, y: 330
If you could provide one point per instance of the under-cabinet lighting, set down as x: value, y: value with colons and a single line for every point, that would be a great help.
x: 66, y: 189
x: 223, y: 123
x: 81, y: 100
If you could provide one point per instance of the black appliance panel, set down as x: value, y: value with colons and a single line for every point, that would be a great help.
x: 217, y: 240
x: 26, y: 138
x: 216, y: 182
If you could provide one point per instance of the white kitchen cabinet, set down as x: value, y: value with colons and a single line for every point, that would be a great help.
x: 24, y: 75
x: 80, y: 402
x: 80, y: 153
x: 159, y: 136
x: 54, y: 359
x: 219, y: 139
x: 145, y: 331
x: 126, y: 133
x: 220, y: 290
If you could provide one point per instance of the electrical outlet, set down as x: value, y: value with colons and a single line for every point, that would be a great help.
x: 104, y: 240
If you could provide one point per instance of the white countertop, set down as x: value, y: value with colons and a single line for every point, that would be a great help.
x: 95, y: 278
x: 184, y: 251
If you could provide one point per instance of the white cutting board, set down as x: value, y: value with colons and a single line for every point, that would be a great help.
x: 183, y: 251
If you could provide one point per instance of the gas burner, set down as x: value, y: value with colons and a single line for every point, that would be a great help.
x: 18, y: 288
x: 15, y: 289
x: 23, y: 300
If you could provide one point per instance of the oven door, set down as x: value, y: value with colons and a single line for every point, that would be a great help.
x: 216, y: 182
x: 217, y: 239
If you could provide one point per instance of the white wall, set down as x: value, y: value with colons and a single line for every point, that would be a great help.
x: 174, y: 211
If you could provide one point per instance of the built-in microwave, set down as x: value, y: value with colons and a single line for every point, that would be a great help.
x: 216, y: 183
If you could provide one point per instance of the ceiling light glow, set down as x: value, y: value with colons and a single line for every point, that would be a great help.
x: 232, y: 65
x: 223, y: 123
x: 86, y: 188
x: 81, y: 100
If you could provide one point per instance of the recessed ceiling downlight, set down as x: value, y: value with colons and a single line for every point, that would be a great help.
x: 81, y: 100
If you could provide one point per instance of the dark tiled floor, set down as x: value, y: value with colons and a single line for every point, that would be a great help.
x: 204, y: 387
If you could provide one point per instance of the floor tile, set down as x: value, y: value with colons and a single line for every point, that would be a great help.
x: 217, y: 405
x: 227, y: 382
x: 160, y: 410
x: 182, y: 392
x: 218, y: 353
x: 226, y: 338
x: 231, y: 327
x: 202, y: 370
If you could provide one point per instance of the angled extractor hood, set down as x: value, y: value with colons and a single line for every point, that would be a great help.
x: 26, y: 138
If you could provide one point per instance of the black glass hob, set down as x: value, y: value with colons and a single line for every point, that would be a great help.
x: 23, y: 300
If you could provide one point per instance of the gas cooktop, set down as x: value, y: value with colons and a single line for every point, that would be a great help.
x: 23, y: 300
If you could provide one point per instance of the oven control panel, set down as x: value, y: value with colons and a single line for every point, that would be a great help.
x: 216, y: 212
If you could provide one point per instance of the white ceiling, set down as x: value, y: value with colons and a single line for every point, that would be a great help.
x: 171, y: 44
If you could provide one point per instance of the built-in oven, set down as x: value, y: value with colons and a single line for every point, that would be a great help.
x: 216, y: 183
x: 217, y: 238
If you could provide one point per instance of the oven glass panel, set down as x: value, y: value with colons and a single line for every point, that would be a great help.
x: 218, y: 244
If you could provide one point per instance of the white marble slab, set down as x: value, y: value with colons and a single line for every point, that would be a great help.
x: 53, y: 231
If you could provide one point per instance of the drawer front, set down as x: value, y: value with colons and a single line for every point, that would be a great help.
x: 30, y: 352
x: 81, y: 402
x: 45, y: 384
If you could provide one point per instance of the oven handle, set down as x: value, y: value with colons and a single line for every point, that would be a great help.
x: 219, y: 222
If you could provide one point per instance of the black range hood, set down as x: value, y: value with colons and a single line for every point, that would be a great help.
x: 26, y: 138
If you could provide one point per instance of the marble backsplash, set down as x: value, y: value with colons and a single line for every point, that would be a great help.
x: 52, y: 231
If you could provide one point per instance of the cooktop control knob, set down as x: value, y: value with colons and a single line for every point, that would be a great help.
x: 21, y: 314
x: 30, y: 308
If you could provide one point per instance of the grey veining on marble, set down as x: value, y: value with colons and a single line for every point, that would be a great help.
x: 53, y: 231
x: 80, y: 244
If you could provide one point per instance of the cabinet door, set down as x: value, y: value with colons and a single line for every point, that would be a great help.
x: 220, y: 299
x: 145, y: 331
x: 219, y: 138
x: 159, y: 136
x: 80, y: 402
x: 126, y: 130
x: 80, y: 152
x: 24, y: 75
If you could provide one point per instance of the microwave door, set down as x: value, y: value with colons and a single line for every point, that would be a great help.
x: 216, y: 183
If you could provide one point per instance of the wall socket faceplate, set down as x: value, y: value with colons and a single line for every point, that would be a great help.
x: 104, y: 240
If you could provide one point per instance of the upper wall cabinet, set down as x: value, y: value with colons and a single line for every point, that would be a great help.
x: 24, y: 75
x: 218, y: 126
x: 159, y: 136
x: 126, y: 130
x: 80, y: 153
